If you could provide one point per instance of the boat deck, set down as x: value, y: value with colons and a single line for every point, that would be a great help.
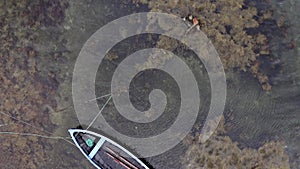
x: 105, y: 154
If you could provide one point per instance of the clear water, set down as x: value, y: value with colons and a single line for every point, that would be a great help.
x: 258, y: 116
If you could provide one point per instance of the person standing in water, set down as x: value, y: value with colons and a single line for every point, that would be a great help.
x: 193, y: 20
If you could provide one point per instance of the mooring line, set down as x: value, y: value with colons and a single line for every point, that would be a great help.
x: 48, y: 132
x: 38, y: 135
x: 99, y: 112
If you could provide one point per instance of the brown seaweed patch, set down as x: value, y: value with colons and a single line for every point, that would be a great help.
x: 23, y: 95
x: 221, y: 152
x: 225, y: 23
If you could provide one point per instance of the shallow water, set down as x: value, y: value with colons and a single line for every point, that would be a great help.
x: 260, y: 116
x: 256, y: 116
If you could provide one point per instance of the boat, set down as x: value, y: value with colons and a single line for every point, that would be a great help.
x: 103, y: 152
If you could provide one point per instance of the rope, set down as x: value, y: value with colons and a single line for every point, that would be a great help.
x: 98, y: 98
x: 45, y: 131
x: 38, y: 135
x: 99, y: 112
x: 32, y: 134
x: 24, y: 122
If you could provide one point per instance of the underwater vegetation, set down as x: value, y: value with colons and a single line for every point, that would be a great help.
x: 233, y: 26
x: 221, y: 152
x: 227, y: 23
x: 24, y: 89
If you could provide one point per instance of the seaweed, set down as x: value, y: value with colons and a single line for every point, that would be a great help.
x: 226, y: 23
x: 221, y: 152
x: 24, y: 91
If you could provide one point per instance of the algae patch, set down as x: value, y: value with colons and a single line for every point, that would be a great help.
x: 226, y: 23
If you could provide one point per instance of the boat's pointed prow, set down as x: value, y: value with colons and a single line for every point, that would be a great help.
x: 104, y: 153
x: 71, y: 131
